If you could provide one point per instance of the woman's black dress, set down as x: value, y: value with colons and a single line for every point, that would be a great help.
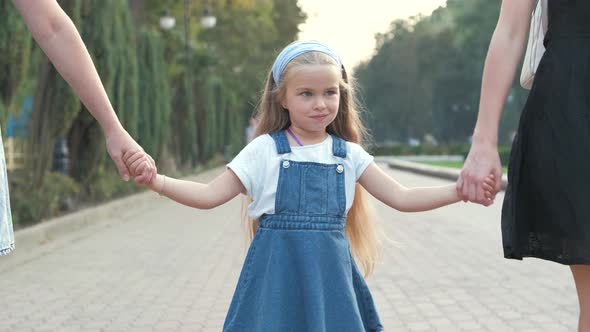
x: 546, y: 211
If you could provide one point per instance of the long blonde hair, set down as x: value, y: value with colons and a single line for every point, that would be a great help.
x: 364, y: 235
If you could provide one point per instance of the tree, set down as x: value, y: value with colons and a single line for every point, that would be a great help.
x: 426, y: 74
x: 107, y: 30
x: 15, y: 47
x: 55, y: 106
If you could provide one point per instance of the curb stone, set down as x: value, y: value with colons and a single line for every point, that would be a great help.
x: 429, y: 170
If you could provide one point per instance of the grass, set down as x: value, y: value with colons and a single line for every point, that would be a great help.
x: 453, y: 164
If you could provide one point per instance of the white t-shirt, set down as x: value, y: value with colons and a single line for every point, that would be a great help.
x: 257, y: 167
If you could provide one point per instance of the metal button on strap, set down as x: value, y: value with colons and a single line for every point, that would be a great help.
x: 339, y: 168
x: 286, y: 164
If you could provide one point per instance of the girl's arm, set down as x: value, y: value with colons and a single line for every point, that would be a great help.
x: 198, y: 195
x: 504, y: 55
x: 387, y: 190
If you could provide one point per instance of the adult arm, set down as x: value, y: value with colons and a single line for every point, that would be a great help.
x: 59, y: 39
x: 504, y: 54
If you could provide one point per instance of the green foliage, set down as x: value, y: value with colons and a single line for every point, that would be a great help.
x: 3, y: 111
x: 15, y: 59
x: 185, y: 121
x: 54, y: 108
x: 211, y: 80
x: 425, y: 149
x: 105, y: 185
x: 155, y: 103
x: 222, y: 126
x: 227, y: 66
x: 406, y: 150
x: 213, y: 115
x: 426, y: 75
x: 108, y: 32
x: 236, y: 130
x: 504, y: 152
x: 30, y: 204
x: 97, y: 32
x: 126, y: 72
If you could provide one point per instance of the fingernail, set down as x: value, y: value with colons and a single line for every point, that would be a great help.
x: 125, y: 177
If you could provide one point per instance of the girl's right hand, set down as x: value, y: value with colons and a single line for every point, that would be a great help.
x: 138, y: 162
x: 118, y: 142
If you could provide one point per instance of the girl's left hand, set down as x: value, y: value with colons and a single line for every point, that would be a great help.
x: 489, y: 188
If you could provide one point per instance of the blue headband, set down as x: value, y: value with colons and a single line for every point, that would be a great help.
x: 296, y: 49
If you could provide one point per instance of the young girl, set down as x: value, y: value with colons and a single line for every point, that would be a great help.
x: 301, y: 172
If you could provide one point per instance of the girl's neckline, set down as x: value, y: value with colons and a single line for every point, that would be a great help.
x: 289, y: 132
x: 293, y: 136
x: 311, y: 145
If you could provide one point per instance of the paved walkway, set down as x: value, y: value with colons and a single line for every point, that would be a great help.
x: 166, y: 267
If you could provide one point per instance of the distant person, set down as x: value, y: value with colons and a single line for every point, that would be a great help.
x: 251, y: 129
x: 546, y: 211
x: 303, y: 172
x: 58, y: 37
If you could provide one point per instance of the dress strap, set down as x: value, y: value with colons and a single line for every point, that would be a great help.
x: 338, y: 147
x: 281, y: 142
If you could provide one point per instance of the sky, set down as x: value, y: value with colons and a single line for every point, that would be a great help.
x: 350, y: 26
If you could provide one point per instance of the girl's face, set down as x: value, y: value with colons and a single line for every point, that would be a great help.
x: 312, y: 96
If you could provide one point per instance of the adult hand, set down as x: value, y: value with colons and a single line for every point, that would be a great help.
x: 118, y: 142
x: 483, y: 159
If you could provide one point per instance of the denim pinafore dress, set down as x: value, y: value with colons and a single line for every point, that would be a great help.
x: 6, y: 231
x: 299, y: 274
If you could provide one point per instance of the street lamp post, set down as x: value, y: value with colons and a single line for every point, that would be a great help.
x: 207, y: 20
x: 167, y: 21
